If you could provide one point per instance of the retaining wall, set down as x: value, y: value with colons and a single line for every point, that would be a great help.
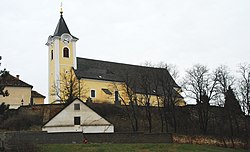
x: 67, y: 138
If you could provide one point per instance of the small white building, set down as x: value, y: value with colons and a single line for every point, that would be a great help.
x: 78, y: 117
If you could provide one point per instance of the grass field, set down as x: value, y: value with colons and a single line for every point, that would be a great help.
x: 134, y: 148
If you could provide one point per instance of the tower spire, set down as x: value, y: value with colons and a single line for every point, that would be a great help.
x: 62, y: 27
x: 61, y: 8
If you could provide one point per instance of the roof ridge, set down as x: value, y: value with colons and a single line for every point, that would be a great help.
x: 10, y: 80
x: 127, y: 64
x: 112, y: 71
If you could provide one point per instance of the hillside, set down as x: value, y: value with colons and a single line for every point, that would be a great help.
x: 187, y: 119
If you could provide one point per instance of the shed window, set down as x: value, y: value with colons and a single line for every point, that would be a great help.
x: 65, y: 52
x: 92, y: 94
x: 77, y: 106
x: 77, y: 120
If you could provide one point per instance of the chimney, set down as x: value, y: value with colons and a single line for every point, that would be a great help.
x: 17, y: 76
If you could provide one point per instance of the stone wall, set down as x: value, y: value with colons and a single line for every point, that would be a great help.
x: 68, y: 138
x: 17, y: 138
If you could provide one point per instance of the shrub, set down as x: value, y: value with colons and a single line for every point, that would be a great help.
x: 22, y: 121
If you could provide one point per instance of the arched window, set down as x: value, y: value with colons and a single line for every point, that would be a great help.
x: 92, y: 93
x: 65, y: 52
x: 51, y: 54
x: 116, y: 96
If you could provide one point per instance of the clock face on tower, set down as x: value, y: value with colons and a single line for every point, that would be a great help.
x: 66, y: 38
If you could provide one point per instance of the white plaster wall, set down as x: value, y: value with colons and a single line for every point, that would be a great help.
x: 83, y: 129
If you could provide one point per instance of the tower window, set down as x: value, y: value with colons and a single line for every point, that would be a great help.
x: 92, y: 94
x: 65, y: 52
x: 51, y: 54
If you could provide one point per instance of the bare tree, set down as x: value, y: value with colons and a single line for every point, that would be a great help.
x: 127, y: 89
x: 69, y: 87
x: 157, y: 93
x: 166, y: 91
x: 173, y: 92
x: 169, y: 92
x: 171, y: 68
x: 200, y: 86
x: 244, y: 87
x: 146, y: 93
x: 225, y: 79
x: 244, y: 94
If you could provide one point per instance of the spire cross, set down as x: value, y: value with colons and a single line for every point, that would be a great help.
x: 61, y: 8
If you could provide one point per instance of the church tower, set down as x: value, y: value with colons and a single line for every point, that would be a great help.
x: 62, y: 56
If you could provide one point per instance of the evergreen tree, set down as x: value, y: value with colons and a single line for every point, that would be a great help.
x: 232, y: 112
x: 231, y: 103
x: 3, y: 92
x: 4, y: 109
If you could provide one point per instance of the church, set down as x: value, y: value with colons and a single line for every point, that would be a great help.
x: 103, y: 81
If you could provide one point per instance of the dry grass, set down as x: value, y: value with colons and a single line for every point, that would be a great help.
x: 134, y: 148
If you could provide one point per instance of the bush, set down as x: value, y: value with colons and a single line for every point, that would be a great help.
x: 22, y: 121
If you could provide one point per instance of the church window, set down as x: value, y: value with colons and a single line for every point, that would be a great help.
x: 106, y: 91
x: 65, y: 52
x: 92, y: 94
x: 116, y: 96
x: 51, y: 54
x: 77, y: 106
x: 77, y: 120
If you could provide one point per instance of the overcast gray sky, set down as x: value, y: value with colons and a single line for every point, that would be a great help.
x: 180, y: 32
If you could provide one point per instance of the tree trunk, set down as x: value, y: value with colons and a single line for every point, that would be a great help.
x: 231, y: 129
x: 174, y: 118
x: 135, y: 117
x: 160, y: 114
x: 148, y: 114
